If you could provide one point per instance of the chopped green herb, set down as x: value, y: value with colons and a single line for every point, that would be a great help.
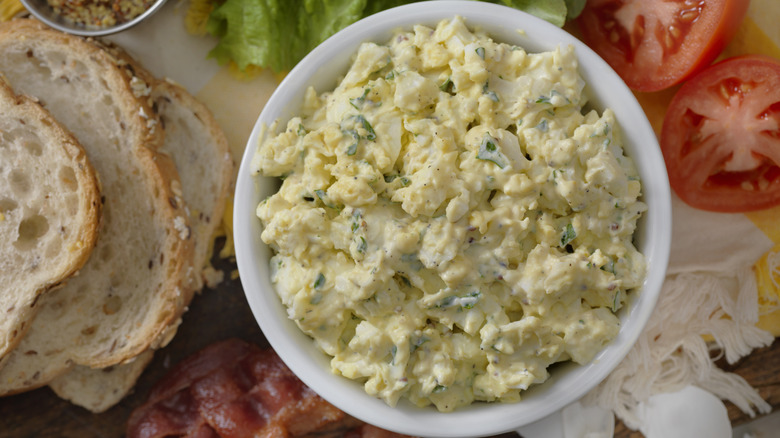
x: 358, y: 102
x: 554, y: 176
x: 418, y: 342
x: 393, y: 352
x: 323, y: 196
x: 569, y: 234
x: 319, y: 281
x: 616, y: 301
x: 603, y: 133
x: 357, y: 218
x: 362, y: 245
x: 471, y: 299
x: 352, y: 148
x: 316, y: 298
x: 542, y: 126
x: 489, y: 93
x: 371, y: 136
x: 480, y: 52
x: 390, y: 75
x: 439, y: 388
x: 543, y: 99
x: 448, y: 86
x: 467, y: 301
x: 405, y: 181
x: 301, y: 130
x: 488, y: 151
x: 446, y: 302
x: 557, y: 93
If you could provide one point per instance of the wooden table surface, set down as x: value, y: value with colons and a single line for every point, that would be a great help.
x: 220, y: 313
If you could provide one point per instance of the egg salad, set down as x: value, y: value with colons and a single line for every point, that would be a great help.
x: 452, y: 220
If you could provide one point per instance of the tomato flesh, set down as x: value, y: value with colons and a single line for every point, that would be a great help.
x: 654, y: 44
x: 721, y: 136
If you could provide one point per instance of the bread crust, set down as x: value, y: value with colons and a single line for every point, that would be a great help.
x: 121, y: 304
x: 32, y: 269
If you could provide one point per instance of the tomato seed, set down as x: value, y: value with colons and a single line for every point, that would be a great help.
x: 689, y: 15
x: 668, y: 41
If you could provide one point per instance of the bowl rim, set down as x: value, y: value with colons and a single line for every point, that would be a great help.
x: 41, y: 10
x: 563, y: 388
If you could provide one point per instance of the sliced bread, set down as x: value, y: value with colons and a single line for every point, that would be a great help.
x: 99, y: 389
x: 49, y: 210
x: 201, y: 153
x: 200, y: 150
x: 134, y: 287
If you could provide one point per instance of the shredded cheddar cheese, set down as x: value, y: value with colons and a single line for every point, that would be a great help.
x: 197, y: 16
x: 768, y: 279
x: 9, y: 9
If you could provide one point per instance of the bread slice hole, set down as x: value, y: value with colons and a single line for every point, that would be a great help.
x: 34, y: 147
x: 20, y: 182
x: 112, y: 304
x: 7, y: 205
x: 68, y: 178
x: 31, y: 229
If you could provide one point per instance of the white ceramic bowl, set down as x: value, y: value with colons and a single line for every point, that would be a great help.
x: 322, y: 68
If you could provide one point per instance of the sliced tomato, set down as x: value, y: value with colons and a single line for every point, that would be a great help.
x: 654, y: 44
x: 721, y: 136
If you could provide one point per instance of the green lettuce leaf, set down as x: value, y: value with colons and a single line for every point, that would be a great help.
x: 574, y: 8
x: 276, y: 34
x: 553, y: 11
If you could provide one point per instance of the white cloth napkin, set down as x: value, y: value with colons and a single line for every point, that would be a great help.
x: 708, y: 242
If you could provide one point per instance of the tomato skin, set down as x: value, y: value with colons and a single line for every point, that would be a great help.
x: 678, y: 44
x: 721, y: 136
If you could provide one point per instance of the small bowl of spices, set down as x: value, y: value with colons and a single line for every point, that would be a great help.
x: 92, y: 17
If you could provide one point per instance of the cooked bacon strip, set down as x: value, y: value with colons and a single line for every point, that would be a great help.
x: 233, y: 389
